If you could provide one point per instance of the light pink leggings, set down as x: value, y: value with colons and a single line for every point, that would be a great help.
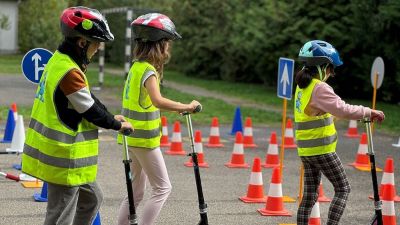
x: 146, y: 163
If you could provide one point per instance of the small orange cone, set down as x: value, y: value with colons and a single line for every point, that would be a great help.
x: 198, y: 148
x: 176, y: 143
x: 272, y: 157
x: 321, y: 195
x: 388, y: 179
x: 15, y: 111
x: 274, y: 205
x: 255, y: 190
x: 362, y: 159
x: 248, y: 141
x: 237, y: 159
x: 388, y: 211
x: 315, y: 217
x: 289, y: 138
x: 352, y: 130
x: 213, y: 140
x: 164, y: 142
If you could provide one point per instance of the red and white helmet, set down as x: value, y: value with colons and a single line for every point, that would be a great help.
x: 154, y: 27
x: 85, y: 22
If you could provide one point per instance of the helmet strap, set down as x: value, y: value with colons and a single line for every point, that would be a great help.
x: 323, y: 70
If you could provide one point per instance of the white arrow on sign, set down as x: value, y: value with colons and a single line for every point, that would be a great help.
x: 285, y: 79
x: 36, y: 57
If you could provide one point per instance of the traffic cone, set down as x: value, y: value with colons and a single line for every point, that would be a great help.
x: 388, y: 179
x: 352, y: 131
x: 42, y: 197
x: 15, y: 112
x: 362, y: 159
x: 289, y: 138
x: 237, y: 159
x: 17, y: 144
x: 315, y: 217
x: 397, y: 145
x: 198, y: 148
x: 97, y: 220
x: 164, y: 142
x: 248, y: 134
x: 321, y: 194
x: 255, y: 190
x: 272, y: 157
x: 176, y: 143
x: 10, y: 125
x: 274, y: 205
x: 388, y: 211
x: 213, y: 140
x: 237, y: 122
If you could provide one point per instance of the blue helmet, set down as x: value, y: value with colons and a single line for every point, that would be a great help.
x: 316, y: 52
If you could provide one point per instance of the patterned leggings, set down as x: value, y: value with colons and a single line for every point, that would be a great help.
x: 331, y: 166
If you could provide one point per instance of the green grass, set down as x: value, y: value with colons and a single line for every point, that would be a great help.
x: 24, y: 111
x: 212, y: 107
x: 10, y: 64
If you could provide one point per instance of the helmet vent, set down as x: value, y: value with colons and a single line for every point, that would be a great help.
x: 78, y: 14
x: 322, y: 44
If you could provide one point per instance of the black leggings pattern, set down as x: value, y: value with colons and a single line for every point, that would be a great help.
x: 331, y: 166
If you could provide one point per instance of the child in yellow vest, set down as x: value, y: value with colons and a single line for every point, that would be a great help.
x: 141, y: 106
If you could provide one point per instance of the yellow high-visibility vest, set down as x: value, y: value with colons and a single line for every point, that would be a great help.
x: 315, y: 135
x: 139, y: 110
x: 54, y: 152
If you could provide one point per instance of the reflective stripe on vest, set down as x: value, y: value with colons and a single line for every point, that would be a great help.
x: 139, y: 110
x: 54, y: 152
x: 315, y: 135
x: 62, y: 137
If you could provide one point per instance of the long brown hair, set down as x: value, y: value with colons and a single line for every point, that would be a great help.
x: 156, y: 53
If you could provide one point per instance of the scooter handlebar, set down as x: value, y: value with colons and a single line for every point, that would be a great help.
x: 127, y: 132
x: 198, y: 109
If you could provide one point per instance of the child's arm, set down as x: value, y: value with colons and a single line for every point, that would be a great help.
x: 163, y: 103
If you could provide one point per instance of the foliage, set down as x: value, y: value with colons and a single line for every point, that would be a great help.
x: 39, y: 24
x: 4, y: 22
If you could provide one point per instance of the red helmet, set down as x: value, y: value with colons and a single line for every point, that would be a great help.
x: 154, y: 27
x: 85, y: 22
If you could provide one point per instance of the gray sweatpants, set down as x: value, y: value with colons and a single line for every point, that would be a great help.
x: 72, y: 205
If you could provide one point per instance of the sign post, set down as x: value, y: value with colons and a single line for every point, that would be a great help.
x: 33, y: 63
x: 285, y: 86
x: 377, y: 73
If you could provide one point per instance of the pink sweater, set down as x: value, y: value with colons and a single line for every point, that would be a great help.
x: 324, y: 100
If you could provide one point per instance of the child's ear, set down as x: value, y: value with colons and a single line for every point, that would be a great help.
x: 82, y: 42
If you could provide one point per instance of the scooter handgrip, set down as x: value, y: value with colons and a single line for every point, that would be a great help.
x: 198, y: 108
x: 127, y: 132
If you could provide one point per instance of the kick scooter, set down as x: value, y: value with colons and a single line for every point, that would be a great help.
x: 128, y: 175
x: 377, y: 218
x: 202, y: 204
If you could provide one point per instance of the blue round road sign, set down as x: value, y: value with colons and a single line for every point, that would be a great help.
x: 33, y: 63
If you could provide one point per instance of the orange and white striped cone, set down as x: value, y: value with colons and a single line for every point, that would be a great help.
x: 255, y: 190
x: 164, y: 142
x: 272, y: 157
x: 198, y: 148
x: 176, y: 142
x: 352, y: 131
x: 289, y: 137
x: 315, y: 217
x: 214, y: 138
x: 15, y: 111
x: 248, y: 141
x: 362, y: 159
x: 237, y: 159
x: 397, y: 145
x: 388, y: 179
x: 321, y: 194
x: 388, y: 211
x: 274, y: 205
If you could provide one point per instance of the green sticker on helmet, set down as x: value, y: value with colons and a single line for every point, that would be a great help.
x: 87, y: 24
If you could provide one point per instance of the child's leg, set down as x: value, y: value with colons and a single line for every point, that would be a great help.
x: 154, y: 166
x: 90, y: 198
x: 333, y: 169
x: 312, y: 178
x: 61, y: 204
